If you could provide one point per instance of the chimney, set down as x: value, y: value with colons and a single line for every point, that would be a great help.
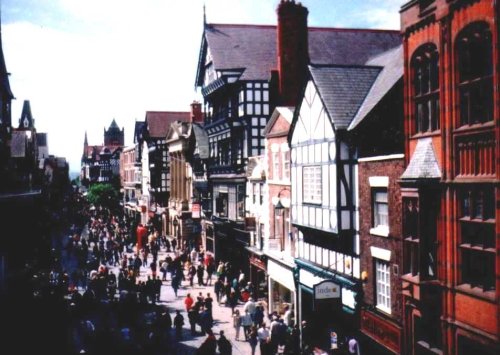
x: 196, y: 115
x: 293, y: 50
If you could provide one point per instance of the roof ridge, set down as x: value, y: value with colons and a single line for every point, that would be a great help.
x: 361, y: 66
x: 314, y: 28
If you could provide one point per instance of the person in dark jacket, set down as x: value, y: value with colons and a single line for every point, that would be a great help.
x: 209, y: 346
x: 225, y: 347
x: 178, y: 323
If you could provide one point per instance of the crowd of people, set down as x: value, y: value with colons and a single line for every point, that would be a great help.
x: 111, y: 295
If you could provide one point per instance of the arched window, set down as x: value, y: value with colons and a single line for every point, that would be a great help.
x: 475, y: 74
x: 425, y: 69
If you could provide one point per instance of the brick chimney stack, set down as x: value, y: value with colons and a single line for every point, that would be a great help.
x: 293, y: 50
x: 196, y: 114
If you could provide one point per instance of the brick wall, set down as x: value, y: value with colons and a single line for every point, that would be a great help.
x: 392, y: 169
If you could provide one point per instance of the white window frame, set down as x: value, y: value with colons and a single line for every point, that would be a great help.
x: 312, y: 184
x: 285, y: 156
x: 276, y: 166
x: 383, y: 285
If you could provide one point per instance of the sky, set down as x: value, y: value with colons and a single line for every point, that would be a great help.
x: 83, y: 63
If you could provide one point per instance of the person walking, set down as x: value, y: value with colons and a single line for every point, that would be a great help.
x: 225, y: 347
x: 237, y: 324
x: 253, y: 339
x: 263, y: 336
x: 246, y: 323
x: 178, y: 323
x: 188, y: 302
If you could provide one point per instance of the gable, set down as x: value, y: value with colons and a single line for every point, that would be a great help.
x: 311, y: 120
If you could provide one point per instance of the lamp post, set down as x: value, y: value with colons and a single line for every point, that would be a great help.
x: 281, y: 209
x: 175, y: 223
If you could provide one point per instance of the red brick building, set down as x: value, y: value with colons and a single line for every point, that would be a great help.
x: 450, y: 193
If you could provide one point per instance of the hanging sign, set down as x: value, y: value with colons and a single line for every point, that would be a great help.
x: 326, y: 290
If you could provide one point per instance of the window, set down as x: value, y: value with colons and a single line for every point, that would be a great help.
x: 311, y: 184
x: 261, y: 191
x: 241, y: 202
x: 477, y: 237
x: 475, y: 74
x: 425, y: 70
x: 411, y: 235
x: 286, y: 164
x: 221, y: 204
x: 383, y: 285
x: 380, y: 209
x: 276, y: 166
x: 254, y: 193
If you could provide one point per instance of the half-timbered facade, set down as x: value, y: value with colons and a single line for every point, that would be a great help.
x: 450, y: 190
x: 324, y: 185
x: 243, y: 75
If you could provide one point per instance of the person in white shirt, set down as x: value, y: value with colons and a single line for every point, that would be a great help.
x: 263, y: 336
x: 250, y: 307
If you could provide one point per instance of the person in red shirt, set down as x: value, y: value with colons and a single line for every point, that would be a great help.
x: 188, y: 302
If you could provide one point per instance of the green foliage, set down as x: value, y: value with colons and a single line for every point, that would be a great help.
x: 104, y: 195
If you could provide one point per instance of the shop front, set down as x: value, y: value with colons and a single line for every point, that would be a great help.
x: 258, y: 273
x: 281, y: 287
x: 327, y: 302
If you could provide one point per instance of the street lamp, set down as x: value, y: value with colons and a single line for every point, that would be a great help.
x: 280, y: 208
x: 175, y: 223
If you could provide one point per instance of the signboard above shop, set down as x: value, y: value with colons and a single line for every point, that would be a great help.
x: 326, y: 290
x: 196, y: 211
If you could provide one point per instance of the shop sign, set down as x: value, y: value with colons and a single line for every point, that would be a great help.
x: 326, y: 290
x: 257, y: 262
x: 196, y: 210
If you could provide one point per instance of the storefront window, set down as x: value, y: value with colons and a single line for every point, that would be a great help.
x: 281, y: 298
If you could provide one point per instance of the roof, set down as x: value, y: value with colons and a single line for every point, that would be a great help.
x: 393, y: 65
x: 201, y: 140
x: 158, y: 122
x: 343, y: 89
x: 284, y: 111
x: 139, y: 126
x: 26, y: 115
x: 423, y: 163
x: 113, y: 126
x: 4, y: 75
x: 252, y: 48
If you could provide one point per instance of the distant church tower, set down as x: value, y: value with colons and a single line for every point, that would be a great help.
x: 26, y: 121
x: 114, y: 136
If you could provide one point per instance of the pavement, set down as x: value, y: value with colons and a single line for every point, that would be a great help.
x: 221, y: 314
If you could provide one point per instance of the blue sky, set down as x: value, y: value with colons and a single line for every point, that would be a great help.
x: 82, y: 63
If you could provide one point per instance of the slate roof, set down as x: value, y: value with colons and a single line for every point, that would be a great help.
x: 253, y: 49
x: 4, y: 75
x: 343, y: 89
x: 393, y: 65
x: 113, y: 126
x: 158, y: 122
x: 201, y: 140
x: 26, y: 114
x: 423, y: 163
x: 139, y: 126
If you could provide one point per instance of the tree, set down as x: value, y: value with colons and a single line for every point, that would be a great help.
x: 104, y: 195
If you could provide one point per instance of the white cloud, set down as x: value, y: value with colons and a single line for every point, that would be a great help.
x: 82, y: 63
